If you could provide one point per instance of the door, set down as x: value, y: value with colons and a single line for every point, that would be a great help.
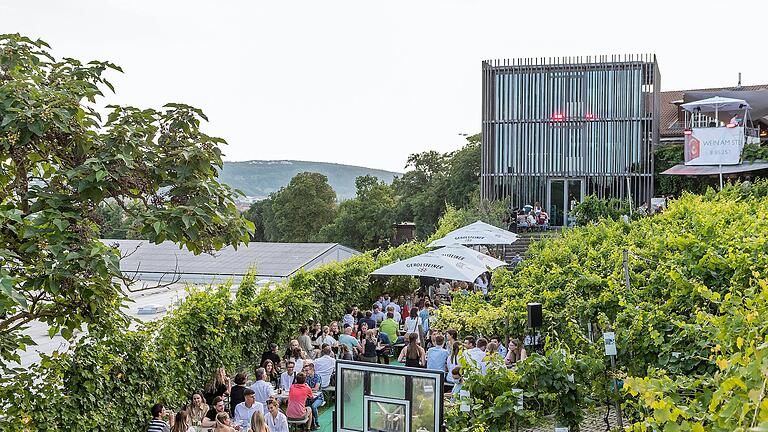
x: 564, y: 194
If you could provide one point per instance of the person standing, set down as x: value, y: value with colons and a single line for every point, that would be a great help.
x: 437, y: 356
x: 412, y: 354
x: 305, y: 342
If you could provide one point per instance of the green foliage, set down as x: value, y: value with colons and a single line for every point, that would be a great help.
x: 110, y: 380
x: 263, y: 218
x: 436, y: 180
x: 364, y: 222
x: 593, y: 209
x: 303, y: 207
x: 691, y: 344
x: 666, y: 156
x: 59, y: 162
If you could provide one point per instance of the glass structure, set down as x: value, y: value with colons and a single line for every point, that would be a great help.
x: 383, y: 398
x: 556, y: 130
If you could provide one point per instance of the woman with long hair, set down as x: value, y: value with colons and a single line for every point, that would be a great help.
x: 344, y: 353
x: 515, y: 353
x: 317, y: 330
x: 413, y: 324
x: 453, y: 361
x: 197, y: 409
x: 273, y: 377
x: 369, y: 347
x: 362, y: 332
x: 223, y: 423
x: 335, y: 332
x: 258, y: 422
x: 412, y: 354
x: 218, y: 385
x: 182, y: 423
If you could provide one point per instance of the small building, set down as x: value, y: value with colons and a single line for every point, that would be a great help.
x: 165, y: 262
x: 672, y: 117
x: 558, y: 129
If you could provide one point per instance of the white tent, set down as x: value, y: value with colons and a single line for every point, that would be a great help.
x: 477, y: 233
x: 470, y: 256
x: 433, y: 265
x: 716, y: 104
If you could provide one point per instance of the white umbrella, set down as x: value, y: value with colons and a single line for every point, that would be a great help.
x: 470, y: 256
x: 433, y: 265
x: 476, y: 235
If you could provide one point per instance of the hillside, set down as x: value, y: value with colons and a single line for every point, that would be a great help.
x: 259, y: 178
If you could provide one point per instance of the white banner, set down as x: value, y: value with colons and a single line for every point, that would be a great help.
x: 714, y: 146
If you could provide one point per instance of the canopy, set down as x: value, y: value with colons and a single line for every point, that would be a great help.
x: 683, y: 169
x: 470, y: 256
x: 757, y: 99
x: 716, y: 104
x: 433, y: 265
x: 477, y: 233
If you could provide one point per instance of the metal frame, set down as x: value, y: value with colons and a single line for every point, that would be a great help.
x: 407, y: 372
x: 591, y: 118
x: 406, y: 403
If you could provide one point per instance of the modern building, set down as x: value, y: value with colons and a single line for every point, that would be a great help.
x: 558, y: 129
x: 165, y: 262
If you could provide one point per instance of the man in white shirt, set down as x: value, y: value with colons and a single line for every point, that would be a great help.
x: 244, y: 410
x: 262, y: 390
x: 474, y: 354
x: 325, y: 366
x: 287, y: 377
x: 276, y: 420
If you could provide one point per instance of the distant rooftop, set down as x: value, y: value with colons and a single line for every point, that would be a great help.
x: 669, y: 125
x: 147, y: 261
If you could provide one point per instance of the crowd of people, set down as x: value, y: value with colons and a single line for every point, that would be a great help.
x: 288, y: 386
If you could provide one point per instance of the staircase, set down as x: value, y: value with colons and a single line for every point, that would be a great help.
x: 524, y: 240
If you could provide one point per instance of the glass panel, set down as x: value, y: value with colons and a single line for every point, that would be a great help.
x: 386, y: 417
x: 352, y: 403
x: 557, y: 202
x: 574, y: 197
x: 388, y: 385
x: 423, y: 404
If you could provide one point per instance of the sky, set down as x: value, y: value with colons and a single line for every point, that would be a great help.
x: 364, y: 82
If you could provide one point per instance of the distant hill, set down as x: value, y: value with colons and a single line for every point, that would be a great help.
x: 259, y: 178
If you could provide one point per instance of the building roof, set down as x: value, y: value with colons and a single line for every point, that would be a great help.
x: 147, y: 261
x: 668, y: 124
x: 707, y: 170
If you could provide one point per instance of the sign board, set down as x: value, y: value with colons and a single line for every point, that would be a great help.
x: 609, y: 338
x: 714, y: 146
x: 561, y: 429
x: 519, y: 393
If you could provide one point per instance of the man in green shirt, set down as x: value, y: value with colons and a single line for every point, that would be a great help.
x: 390, y: 327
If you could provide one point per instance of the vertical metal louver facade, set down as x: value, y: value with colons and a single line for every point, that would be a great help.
x: 569, y: 127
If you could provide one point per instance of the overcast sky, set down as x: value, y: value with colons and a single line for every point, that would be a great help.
x: 367, y: 83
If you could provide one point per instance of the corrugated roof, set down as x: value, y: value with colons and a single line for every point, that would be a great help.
x: 277, y: 260
x: 668, y: 114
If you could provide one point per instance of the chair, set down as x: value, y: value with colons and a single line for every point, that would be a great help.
x: 297, y: 425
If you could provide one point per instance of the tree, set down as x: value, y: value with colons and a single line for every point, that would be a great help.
x: 59, y: 162
x: 263, y: 218
x: 436, y: 179
x: 364, y: 222
x: 303, y: 207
